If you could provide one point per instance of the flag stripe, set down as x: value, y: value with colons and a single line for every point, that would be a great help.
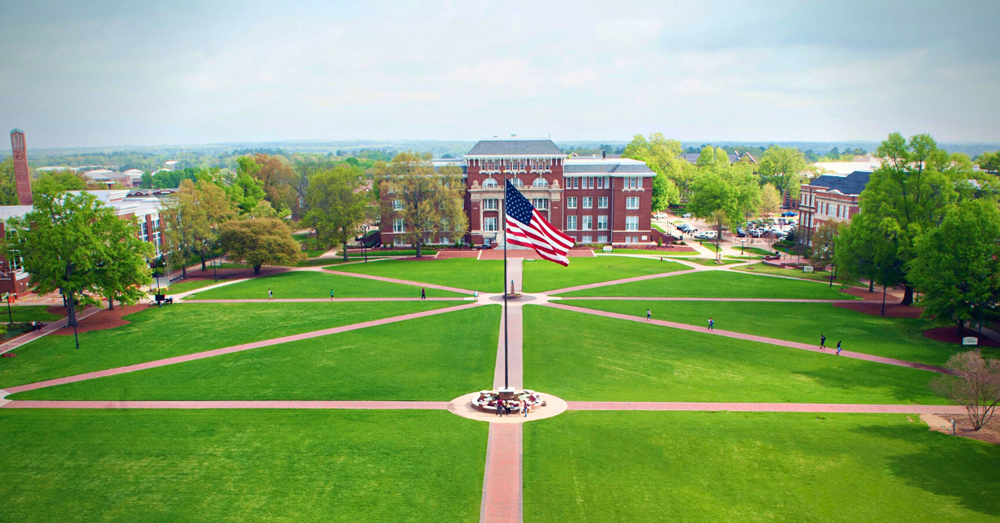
x: 527, y: 228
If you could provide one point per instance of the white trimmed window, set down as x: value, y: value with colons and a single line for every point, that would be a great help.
x: 586, y: 238
x: 489, y: 182
x: 571, y: 202
x: 571, y: 223
x: 490, y: 204
x: 632, y: 202
x: 601, y: 238
x: 397, y: 205
x: 398, y: 225
x: 588, y: 202
x: 631, y: 223
x: 541, y: 204
x: 490, y: 224
x: 602, y: 223
x: 540, y: 182
x: 516, y: 182
x: 602, y: 202
x: 588, y: 223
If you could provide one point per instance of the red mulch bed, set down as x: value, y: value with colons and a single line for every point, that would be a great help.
x: 102, y: 320
x: 874, y: 308
x: 950, y: 335
x: 444, y: 255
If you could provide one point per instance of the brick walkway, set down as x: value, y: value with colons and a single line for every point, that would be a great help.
x: 46, y: 330
x: 235, y: 348
x: 277, y: 404
x: 617, y: 282
x: 401, y: 282
x: 763, y: 300
x: 767, y: 407
x: 750, y: 337
x: 503, y: 500
x: 319, y: 300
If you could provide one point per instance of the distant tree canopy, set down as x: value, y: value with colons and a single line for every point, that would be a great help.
x: 8, y: 185
x: 55, y: 182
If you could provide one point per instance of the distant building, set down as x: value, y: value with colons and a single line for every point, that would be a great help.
x: 170, y: 165
x: 830, y: 198
x: 593, y: 200
x: 860, y: 163
x: 692, y: 158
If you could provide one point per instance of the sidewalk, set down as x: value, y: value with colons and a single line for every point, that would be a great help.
x: 46, y: 330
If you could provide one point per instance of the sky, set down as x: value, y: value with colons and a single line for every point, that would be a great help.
x: 77, y: 74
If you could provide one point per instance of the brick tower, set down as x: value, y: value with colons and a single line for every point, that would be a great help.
x: 21, y: 173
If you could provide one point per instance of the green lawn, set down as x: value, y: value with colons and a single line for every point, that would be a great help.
x: 22, y: 313
x: 757, y: 250
x: 760, y: 268
x: 710, y: 262
x: 729, y: 466
x: 652, y: 252
x: 462, y: 273
x: 710, y: 245
x: 188, y: 285
x: 436, y: 358
x: 718, y: 284
x: 541, y: 275
x: 240, y: 466
x: 584, y: 357
x: 184, y: 328
x: 308, y: 284
x: 900, y: 338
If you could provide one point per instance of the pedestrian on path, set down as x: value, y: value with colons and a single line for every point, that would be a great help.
x: 500, y: 408
x: 524, y: 407
x: 269, y: 294
x: 838, y: 348
x: 475, y: 294
x: 423, y: 294
x: 331, y: 294
x: 822, y: 342
x: 711, y: 324
x: 649, y: 315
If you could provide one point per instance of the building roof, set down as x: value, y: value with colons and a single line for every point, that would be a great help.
x: 606, y: 167
x: 865, y: 164
x: 852, y: 184
x: 14, y: 211
x: 515, y: 147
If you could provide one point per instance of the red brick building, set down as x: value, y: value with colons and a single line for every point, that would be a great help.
x: 593, y: 200
x: 830, y: 198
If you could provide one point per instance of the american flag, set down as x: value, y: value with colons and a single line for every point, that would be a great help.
x: 527, y: 228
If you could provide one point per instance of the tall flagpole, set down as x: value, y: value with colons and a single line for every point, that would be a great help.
x: 504, y: 174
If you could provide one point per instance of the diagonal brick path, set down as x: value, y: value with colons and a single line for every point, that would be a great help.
x: 320, y: 300
x: 750, y: 337
x: 765, y: 300
x: 46, y: 330
x: 767, y: 407
x: 268, y: 404
x: 617, y: 282
x: 235, y: 348
x: 502, y: 500
x: 401, y: 282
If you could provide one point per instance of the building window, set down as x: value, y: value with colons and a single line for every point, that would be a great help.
x: 575, y: 182
x: 602, y: 223
x: 602, y: 202
x: 571, y: 223
x: 490, y: 204
x: 397, y: 241
x: 516, y: 182
x: 143, y: 231
x: 541, y: 204
x: 489, y: 182
x: 571, y: 202
x: 588, y: 223
x: 540, y: 182
x: 639, y: 182
x: 397, y: 205
x: 601, y: 238
x: 632, y: 202
x: 586, y: 238
x: 631, y: 223
x: 490, y: 224
x: 398, y: 226
x: 588, y: 202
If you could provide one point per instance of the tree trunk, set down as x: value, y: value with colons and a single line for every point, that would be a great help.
x: 961, y: 328
x: 184, y: 272
x: 907, y: 295
x: 111, y: 303
x: 256, y: 268
x: 344, y: 238
x: 70, y: 311
x: 418, y: 247
x: 203, y: 266
x: 871, y: 285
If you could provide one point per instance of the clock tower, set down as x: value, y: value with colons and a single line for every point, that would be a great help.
x: 21, y: 173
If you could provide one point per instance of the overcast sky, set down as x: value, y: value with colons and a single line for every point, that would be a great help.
x: 115, y: 73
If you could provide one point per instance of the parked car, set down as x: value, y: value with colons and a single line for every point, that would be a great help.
x: 660, y: 216
x: 741, y: 232
x: 789, y: 213
x: 685, y: 228
x: 756, y: 233
x: 705, y: 235
x: 687, y: 216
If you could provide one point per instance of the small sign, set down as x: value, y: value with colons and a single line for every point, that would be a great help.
x: 970, y: 340
x: 807, y: 268
x: 607, y: 248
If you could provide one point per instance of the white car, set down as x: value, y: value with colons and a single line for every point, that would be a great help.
x: 705, y: 235
x: 686, y: 216
x: 660, y: 216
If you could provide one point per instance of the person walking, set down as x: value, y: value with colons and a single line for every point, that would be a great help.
x: 839, y: 348
x: 270, y: 294
x: 649, y: 315
x: 331, y: 294
x: 475, y: 294
x: 822, y: 342
x: 500, y: 408
x: 711, y: 324
x: 423, y: 294
x: 524, y: 407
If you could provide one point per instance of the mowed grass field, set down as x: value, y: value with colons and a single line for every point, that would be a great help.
x: 240, y: 466
x: 579, y: 356
x: 436, y: 358
x: 184, y: 328
x: 718, y: 284
x: 733, y: 466
x: 900, y: 338
x: 541, y: 276
x: 461, y: 273
x: 317, y: 285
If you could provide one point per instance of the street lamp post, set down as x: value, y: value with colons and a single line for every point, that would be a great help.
x: 10, y: 317
x: 215, y: 268
x: 364, y: 241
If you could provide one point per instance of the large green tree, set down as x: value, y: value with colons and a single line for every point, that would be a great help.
x: 55, y: 182
x: 69, y: 242
x: 906, y: 197
x: 8, y: 184
x: 957, y: 265
x: 260, y: 241
x: 664, y: 158
x: 783, y: 167
x: 336, y: 204
x: 193, y: 220
x: 123, y: 270
x: 429, y: 202
x: 989, y: 162
x: 724, y: 196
